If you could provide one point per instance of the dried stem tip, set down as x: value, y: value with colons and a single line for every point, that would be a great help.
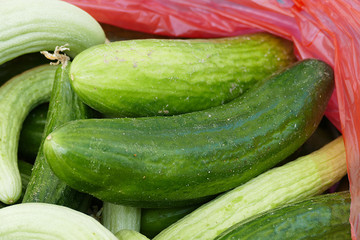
x: 60, y: 57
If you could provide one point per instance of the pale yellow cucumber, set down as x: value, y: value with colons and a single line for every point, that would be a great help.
x: 36, y: 25
x: 44, y: 221
x: 17, y: 98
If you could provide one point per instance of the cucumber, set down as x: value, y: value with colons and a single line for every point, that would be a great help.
x: 44, y: 186
x: 32, y: 131
x: 150, y: 77
x: 180, y: 160
x: 17, y: 98
x: 185, y: 159
x: 117, y: 217
x: 307, y: 176
x: 154, y: 220
x: 322, y: 217
x: 43, y: 221
x: 40, y: 25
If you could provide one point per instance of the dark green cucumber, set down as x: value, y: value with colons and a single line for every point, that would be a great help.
x: 304, y: 177
x: 324, y: 217
x: 166, y: 77
x: 175, y: 161
x: 32, y: 132
x: 44, y: 186
x: 154, y: 220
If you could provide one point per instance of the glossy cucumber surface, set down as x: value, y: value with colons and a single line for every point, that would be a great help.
x: 178, y: 160
x: 294, y: 181
x: 148, y: 77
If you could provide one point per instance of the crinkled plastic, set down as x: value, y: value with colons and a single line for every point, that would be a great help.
x: 325, y: 29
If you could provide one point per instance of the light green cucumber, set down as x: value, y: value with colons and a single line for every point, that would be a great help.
x: 43, y: 221
x: 44, y: 186
x: 25, y: 169
x: 17, y: 98
x: 307, y: 176
x: 117, y: 217
x: 36, y: 25
x: 150, y: 77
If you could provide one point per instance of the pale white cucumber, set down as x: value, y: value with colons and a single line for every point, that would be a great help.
x: 17, y: 98
x: 37, y: 25
x: 307, y: 176
x: 44, y: 221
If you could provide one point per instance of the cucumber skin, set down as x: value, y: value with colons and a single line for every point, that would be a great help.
x: 176, y: 161
x: 321, y: 217
x: 137, y: 78
x: 44, y: 186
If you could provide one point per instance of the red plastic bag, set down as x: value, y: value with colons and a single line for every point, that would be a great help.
x: 325, y: 29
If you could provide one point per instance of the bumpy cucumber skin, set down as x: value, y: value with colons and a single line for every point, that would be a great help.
x: 32, y: 132
x: 17, y: 98
x: 44, y: 186
x: 321, y: 217
x: 44, y: 24
x: 170, y: 161
x: 150, y: 77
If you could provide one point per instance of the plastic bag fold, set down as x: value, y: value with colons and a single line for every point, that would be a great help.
x: 324, y: 29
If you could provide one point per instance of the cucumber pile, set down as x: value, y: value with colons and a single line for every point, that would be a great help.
x: 160, y: 138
